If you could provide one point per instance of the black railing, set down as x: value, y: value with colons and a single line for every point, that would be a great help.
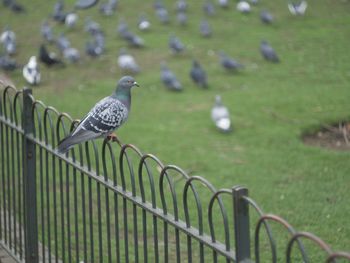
x: 105, y: 202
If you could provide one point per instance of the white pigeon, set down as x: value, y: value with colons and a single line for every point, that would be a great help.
x: 297, y: 8
x: 71, y: 20
x: 243, y: 7
x: 127, y: 62
x: 220, y: 115
x: 31, y: 71
x: 144, y: 24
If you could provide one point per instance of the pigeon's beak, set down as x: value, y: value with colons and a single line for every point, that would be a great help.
x: 136, y: 84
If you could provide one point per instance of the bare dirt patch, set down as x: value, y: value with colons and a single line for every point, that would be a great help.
x: 334, y: 137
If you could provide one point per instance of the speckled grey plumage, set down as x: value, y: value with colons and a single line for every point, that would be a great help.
x: 268, y: 52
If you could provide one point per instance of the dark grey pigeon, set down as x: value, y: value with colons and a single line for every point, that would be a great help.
x: 108, y: 8
x: 266, y: 17
x: 8, y: 40
x: 92, y: 49
x: 229, y: 63
x: 91, y: 26
x: 71, y: 54
x: 208, y: 8
x: 198, y: 75
x: 268, y: 52
x: 181, y: 18
x: 158, y: 4
x: 181, y: 6
x: 205, y: 29
x: 133, y: 40
x: 123, y: 28
x: 14, y: 6
x: 62, y: 42
x: 105, y: 117
x: 169, y: 79
x: 297, y: 8
x: 221, y: 116
x: 58, y: 12
x: 175, y: 44
x: 7, y: 63
x: 49, y: 59
x: 46, y: 32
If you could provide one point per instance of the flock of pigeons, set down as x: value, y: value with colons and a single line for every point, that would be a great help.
x: 95, y: 46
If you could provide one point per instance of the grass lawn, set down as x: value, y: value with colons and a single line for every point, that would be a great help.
x: 272, y: 105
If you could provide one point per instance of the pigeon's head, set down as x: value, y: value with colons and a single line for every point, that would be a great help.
x: 126, y: 83
x: 32, y: 62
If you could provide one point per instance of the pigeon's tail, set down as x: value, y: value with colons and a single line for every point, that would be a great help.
x: 74, y: 138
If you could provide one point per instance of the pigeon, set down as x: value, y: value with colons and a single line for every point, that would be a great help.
x: 169, y: 79
x: 220, y: 115
x: 209, y: 8
x: 133, y: 40
x: 62, y: 42
x: 7, y: 63
x: 266, y: 17
x: 31, y: 71
x: 158, y: 4
x: 223, y: 3
x: 71, y: 19
x: 108, y: 8
x: 93, y: 49
x: 229, y: 63
x: 91, y: 26
x: 47, y: 58
x: 71, y: 54
x: 105, y: 117
x: 268, y: 52
x: 297, y: 8
x: 14, y: 6
x: 127, y: 62
x: 144, y: 24
x: 163, y: 15
x: 46, y: 32
x: 8, y: 39
x: 205, y: 29
x: 243, y: 7
x: 175, y: 45
x: 181, y: 6
x: 123, y: 28
x: 58, y: 13
x: 254, y: 2
x: 181, y: 18
x: 198, y: 75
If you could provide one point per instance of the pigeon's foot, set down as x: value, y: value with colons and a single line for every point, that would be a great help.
x: 113, y: 137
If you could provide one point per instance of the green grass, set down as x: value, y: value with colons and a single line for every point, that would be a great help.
x: 271, y: 105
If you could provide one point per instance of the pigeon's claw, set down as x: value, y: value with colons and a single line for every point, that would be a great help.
x: 113, y: 137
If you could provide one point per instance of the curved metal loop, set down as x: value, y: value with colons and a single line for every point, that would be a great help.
x: 7, y: 99
x: 106, y: 145
x: 272, y: 241
x: 171, y: 184
x: 216, y: 196
x: 309, y: 236
x: 60, y: 122
x: 143, y: 163
x: 282, y: 222
x: 48, y: 120
x: 15, y: 100
x: 338, y: 254
x: 123, y: 155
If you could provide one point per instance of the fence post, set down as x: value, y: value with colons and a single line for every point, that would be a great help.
x: 241, y: 224
x: 29, y: 181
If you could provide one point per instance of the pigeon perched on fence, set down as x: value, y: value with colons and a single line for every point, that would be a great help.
x: 205, y: 29
x: 127, y: 62
x: 268, y: 52
x: 229, y: 63
x: 169, y: 79
x: 48, y: 58
x: 105, y: 117
x: 175, y: 45
x: 8, y: 40
x: 221, y: 116
x: 266, y: 17
x: 198, y: 75
x: 297, y: 8
x: 243, y: 7
x: 31, y: 71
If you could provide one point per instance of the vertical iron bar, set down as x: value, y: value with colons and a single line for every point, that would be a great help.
x: 42, y: 203
x: 13, y: 188
x: 75, y: 199
x: 29, y: 177
x: 68, y: 215
x: 82, y: 183
x: 47, y: 173
x: 178, y: 246
x: 116, y: 224
x: 62, y: 230
x: 136, y: 248
x: 241, y: 224
x: 19, y: 154
x: 109, y: 247
x: 2, y: 171
x: 99, y: 223
x: 166, y: 242
x: 126, y: 237
x: 144, y: 229
x: 92, y: 257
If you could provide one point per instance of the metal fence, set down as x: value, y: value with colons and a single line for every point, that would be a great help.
x: 104, y: 202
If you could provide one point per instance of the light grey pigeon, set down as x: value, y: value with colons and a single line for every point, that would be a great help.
x: 108, y: 8
x: 208, y: 8
x: 71, y: 54
x: 163, y: 15
x: 221, y: 116
x: 46, y: 32
x: 123, y: 28
x: 91, y: 26
x: 169, y: 79
x: 144, y: 24
x: 243, y: 7
x: 229, y: 63
x: 254, y: 2
x: 198, y: 75
x: 266, y: 17
x: 7, y: 63
x: 205, y: 29
x: 105, y: 117
x: 71, y: 19
x: 31, y: 71
x: 223, y: 3
x: 181, y: 6
x: 175, y: 45
x: 297, y: 8
x: 62, y: 42
x: 181, y: 18
x: 268, y: 52
x: 127, y: 62
x: 158, y: 4
x: 133, y: 40
x: 8, y: 40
